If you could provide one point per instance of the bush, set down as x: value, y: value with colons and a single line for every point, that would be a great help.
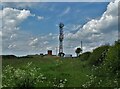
x: 24, y: 78
x: 29, y: 77
x: 85, y: 56
x: 108, y: 73
x: 98, y: 55
x: 8, y: 57
x: 113, y: 59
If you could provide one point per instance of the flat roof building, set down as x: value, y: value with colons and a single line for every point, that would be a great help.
x: 49, y: 52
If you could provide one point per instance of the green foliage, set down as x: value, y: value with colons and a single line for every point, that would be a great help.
x: 30, y: 77
x: 98, y: 55
x: 113, y: 58
x: 9, y: 56
x: 58, y: 72
x: 78, y: 51
x: 43, y: 72
x: 111, y: 64
x: 108, y: 73
x: 85, y: 56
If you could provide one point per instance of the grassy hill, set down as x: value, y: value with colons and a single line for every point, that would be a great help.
x: 99, y: 68
x: 106, y: 67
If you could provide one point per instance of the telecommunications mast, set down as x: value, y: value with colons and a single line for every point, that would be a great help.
x: 61, y: 37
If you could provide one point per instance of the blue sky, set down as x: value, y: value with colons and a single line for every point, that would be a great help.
x: 39, y: 24
x: 54, y: 13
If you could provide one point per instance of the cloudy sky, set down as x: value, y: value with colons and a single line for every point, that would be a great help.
x: 32, y: 27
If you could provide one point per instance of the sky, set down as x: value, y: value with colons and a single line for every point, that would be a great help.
x: 33, y: 27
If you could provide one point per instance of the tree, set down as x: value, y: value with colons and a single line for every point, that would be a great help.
x: 78, y: 51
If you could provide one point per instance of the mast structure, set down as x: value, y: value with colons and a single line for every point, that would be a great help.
x: 81, y: 46
x: 61, y: 37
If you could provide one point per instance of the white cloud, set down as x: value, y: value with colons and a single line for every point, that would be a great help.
x: 49, y: 48
x: 13, y: 38
x: 94, y: 33
x: 17, y: 41
x: 23, y: 14
x: 46, y: 42
x: 40, y: 17
x: 98, y: 31
x: 11, y: 46
x: 72, y: 27
x: 33, y: 42
x: 11, y: 19
x: 0, y: 33
x: 50, y: 34
x: 11, y: 14
x: 66, y: 11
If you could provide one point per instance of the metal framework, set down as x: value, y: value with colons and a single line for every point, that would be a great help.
x: 61, y: 37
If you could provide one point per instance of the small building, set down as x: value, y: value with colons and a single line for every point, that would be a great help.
x: 49, y: 52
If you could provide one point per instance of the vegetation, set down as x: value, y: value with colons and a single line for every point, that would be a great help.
x: 107, y: 74
x: 85, y: 56
x: 99, y: 68
x: 78, y: 51
x: 98, y: 55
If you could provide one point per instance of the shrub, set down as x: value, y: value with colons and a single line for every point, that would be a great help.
x: 98, y: 55
x: 113, y: 59
x: 29, y: 77
x: 85, y: 56
x: 108, y: 73
x: 21, y: 77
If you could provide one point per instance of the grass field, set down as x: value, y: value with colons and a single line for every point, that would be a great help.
x: 71, y: 69
x: 48, y: 71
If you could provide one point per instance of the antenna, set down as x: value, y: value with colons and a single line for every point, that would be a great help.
x: 61, y: 37
x: 81, y: 46
x: 56, y: 50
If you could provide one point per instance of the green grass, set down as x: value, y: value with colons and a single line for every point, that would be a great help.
x: 70, y: 69
x: 48, y: 71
